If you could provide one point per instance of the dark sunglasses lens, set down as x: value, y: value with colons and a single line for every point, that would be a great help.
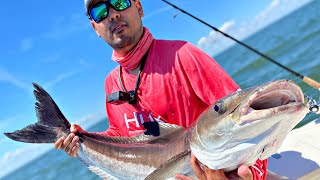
x: 120, y: 5
x: 99, y: 12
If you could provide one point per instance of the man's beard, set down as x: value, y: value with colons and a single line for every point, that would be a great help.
x: 121, y: 42
x: 125, y: 40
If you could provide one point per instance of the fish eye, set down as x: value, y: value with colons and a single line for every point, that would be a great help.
x: 218, y: 108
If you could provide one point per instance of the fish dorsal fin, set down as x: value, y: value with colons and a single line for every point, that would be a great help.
x: 166, y: 131
x: 177, y: 164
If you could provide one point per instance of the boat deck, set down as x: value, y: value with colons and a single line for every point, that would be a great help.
x: 299, y: 155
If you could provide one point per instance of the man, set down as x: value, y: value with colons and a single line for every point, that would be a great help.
x: 170, y: 81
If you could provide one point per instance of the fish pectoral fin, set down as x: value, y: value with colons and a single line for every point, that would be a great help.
x: 177, y: 164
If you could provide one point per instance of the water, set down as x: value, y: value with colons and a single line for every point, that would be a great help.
x: 293, y: 41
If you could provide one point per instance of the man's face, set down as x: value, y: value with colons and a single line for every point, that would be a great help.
x: 121, y: 29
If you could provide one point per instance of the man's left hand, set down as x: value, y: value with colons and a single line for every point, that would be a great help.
x: 243, y: 172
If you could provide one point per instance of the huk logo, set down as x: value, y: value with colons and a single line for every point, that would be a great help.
x: 139, y: 118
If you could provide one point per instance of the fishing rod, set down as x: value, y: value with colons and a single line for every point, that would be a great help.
x: 305, y: 79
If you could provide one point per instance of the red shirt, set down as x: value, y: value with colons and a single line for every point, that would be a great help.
x: 178, y: 82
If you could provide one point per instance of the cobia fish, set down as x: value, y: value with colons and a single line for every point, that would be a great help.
x: 238, y: 129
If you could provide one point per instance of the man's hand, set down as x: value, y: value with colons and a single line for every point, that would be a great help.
x: 71, y: 143
x: 205, y: 173
x: 245, y: 173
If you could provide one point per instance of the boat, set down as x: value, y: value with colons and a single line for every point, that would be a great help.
x: 299, y: 155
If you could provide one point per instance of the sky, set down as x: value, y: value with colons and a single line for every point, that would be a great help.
x: 53, y: 44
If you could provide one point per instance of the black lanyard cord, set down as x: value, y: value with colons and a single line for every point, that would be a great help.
x: 133, y: 94
x: 143, y: 62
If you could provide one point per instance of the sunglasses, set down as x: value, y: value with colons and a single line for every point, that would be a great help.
x: 100, y: 10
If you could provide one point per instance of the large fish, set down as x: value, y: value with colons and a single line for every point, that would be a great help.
x: 238, y: 129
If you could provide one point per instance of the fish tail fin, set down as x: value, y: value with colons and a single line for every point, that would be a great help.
x: 51, y: 123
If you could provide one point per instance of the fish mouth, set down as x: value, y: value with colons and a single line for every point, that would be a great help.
x: 277, y: 97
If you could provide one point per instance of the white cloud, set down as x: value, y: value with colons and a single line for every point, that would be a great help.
x: 12, y: 160
x: 58, y: 79
x: 26, y: 44
x: 154, y: 13
x: 84, y: 63
x: 265, y: 13
x: 6, y: 76
x: 61, y: 77
x: 89, y: 120
x: 64, y: 28
x: 52, y: 58
x: 2, y: 140
x: 214, y: 43
x: 6, y: 123
x: 14, y: 154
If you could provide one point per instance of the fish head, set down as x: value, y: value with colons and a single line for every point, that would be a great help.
x: 247, y: 125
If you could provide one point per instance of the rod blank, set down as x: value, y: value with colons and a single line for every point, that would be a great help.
x: 305, y: 79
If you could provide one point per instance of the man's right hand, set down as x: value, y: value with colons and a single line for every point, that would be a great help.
x: 71, y: 143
